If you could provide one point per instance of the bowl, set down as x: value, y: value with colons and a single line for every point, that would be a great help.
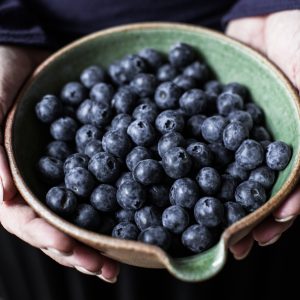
x: 229, y: 60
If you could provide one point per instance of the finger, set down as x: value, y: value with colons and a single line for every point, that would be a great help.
x: 269, y: 231
x: 290, y: 208
x: 87, y: 261
x: 19, y: 219
x: 242, y: 248
x: 9, y: 189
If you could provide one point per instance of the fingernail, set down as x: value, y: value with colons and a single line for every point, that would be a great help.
x: 271, y: 241
x: 285, y: 219
x: 85, y: 271
x: 58, y: 252
x: 109, y: 280
x: 242, y: 256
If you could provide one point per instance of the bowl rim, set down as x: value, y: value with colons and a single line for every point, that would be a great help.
x: 108, y: 241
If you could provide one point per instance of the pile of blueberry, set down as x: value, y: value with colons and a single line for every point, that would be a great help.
x: 154, y: 149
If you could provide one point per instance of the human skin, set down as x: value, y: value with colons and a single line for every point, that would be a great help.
x: 277, y: 36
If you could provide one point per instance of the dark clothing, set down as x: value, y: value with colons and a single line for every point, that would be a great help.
x: 53, y: 23
x: 26, y: 273
x: 268, y: 273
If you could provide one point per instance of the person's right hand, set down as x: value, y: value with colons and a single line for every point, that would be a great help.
x: 15, y: 215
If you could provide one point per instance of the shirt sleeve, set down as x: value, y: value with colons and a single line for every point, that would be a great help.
x: 18, y: 26
x: 250, y: 8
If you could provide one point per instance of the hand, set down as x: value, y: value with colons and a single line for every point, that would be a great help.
x: 277, y: 36
x: 15, y: 215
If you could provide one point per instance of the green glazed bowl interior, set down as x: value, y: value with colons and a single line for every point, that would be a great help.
x: 25, y: 137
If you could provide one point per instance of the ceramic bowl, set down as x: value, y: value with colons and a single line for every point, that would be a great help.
x: 230, y: 60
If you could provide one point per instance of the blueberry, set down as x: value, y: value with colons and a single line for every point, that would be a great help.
x: 118, y: 74
x: 197, y: 71
x: 237, y: 172
x: 146, y: 112
x: 167, y: 95
x: 212, y: 128
x: 124, y: 100
x: 193, y: 102
x: 73, y: 93
x: 228, y: 102
x: 136, y: 155
x: 168, y: 141
x: 127, y: 176
x: 63, y: 129
x: 104, y: 198
x: 236, y: 88
x: 194, y: 125
x: 278, y: 155
x: 176, y: 162
x: 121, y: 122
x: 209, y: 180
x: 201, y: 155
x: 105, y: 167
x: 85, y: 134
x: 156, y: 235
x: 209, y: 211
x: 83, y: 111
x: 265, y: 144
x: 169, y: 120
x: 166, y: 73
x: 116, y: 142
x: 228, y: 186
x: 197, y: 238
x: 61, y: 201
x: 92, y: 75
x: 144, y: 84
x: 132, y: 65
x: 48, y: 109
x: 250, y: 154
x: 181, y: 55
x: 211, y: 99
x: 75, y: 160
x: 125, y: 215
x: 148, y: 171
x: 141, y: 132
x: 241, y: 116
x: 58, y: 149
x: 102, y: 93
x: 185, y: 82
x: 184, y: 192
x: 233, y: 212
x: 158, y: 195
x: 80, y: 181
x: 51, y: 169
x: 125, y: 231
x: 214, y: 87
x: 92, y: 147
x: 147, y: 216
x: 100, y: 114
x: 131, y: 195
x: 175, y: 219
x: 153, y: 58
x: 255, y: 112
x: 87, y: 217
x: 234, y: 134
x: 263, y: 175
x: 251, y: 195
x: 260, y: 133
x: 222, y: 156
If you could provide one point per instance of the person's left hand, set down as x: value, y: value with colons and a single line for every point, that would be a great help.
x: 277, y: 36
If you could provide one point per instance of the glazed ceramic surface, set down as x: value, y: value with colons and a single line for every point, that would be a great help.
x: 25, y: 137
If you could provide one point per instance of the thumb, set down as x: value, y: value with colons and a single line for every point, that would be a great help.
x: 282, y: 35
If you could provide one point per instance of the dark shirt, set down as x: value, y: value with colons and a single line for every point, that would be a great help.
x: 53, y: 23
